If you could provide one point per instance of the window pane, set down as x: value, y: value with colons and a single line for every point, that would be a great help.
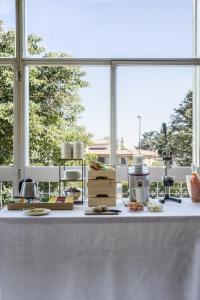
x: 7, y: 28
x: 117, y: 28
x: 67, y: 104
x: 157, y: 95
x: 6, y: 115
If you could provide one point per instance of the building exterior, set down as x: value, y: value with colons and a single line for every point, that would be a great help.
x: 101, y: 149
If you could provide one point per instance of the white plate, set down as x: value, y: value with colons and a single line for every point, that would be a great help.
x: 37, y: 211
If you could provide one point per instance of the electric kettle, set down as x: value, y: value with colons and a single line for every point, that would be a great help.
x: 28, y: 189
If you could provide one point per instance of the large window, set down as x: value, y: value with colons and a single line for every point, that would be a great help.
x: 149, y: 96
x: 117, y: 28
x: 67, y: 103
x: 7, y: 28
x: 90, y: 70
x: 6, y: 115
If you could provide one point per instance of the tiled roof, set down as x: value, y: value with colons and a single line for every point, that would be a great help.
x: 102, y: 147
x: 122, y: 152
x: 101, y: 142
x: 99, y: 151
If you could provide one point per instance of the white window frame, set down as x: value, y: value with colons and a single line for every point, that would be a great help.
x: 21, y: 166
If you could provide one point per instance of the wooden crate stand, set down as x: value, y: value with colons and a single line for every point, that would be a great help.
x: 102, y: 187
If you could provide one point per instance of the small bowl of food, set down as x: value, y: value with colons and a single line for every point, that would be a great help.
x: 73, y: 192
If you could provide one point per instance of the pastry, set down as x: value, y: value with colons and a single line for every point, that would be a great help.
x: 135, y: 206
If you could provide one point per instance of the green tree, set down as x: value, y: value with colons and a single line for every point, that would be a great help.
x: 149, y: 140
x: 179, y: 134
x: 181, y: 131
x: 55, y: 105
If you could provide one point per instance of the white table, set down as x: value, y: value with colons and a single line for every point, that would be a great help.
x: 69, y: 256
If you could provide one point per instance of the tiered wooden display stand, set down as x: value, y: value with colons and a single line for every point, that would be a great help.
x: 101, y: 187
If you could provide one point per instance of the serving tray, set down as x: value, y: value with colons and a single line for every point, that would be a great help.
x: 52, y: 206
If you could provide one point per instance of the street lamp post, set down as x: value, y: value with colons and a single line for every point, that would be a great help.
x: 139, y: 119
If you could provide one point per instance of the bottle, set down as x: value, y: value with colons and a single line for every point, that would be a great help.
x: 195, y: 186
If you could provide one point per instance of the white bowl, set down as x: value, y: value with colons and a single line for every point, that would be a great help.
x: 72, y: 175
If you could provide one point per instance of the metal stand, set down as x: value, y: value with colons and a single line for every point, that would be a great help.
x: 168, y: 198
x: 82, y: 180
x: 168, y: 181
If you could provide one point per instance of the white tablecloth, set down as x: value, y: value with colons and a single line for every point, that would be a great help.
x: 69, y: 256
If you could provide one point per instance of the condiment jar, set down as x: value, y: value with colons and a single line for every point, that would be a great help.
x: 67, y: 150
x: 78, y: 150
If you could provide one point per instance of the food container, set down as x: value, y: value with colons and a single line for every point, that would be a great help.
x: 78, y: 150
x: 154, y: 207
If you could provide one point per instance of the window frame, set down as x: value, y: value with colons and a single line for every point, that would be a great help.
x: 21, y: 117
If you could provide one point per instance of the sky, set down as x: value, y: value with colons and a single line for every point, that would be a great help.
x: 118, y: 29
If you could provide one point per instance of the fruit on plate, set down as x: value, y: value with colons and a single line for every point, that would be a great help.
x: 135, y: 206
x: 96, y: 165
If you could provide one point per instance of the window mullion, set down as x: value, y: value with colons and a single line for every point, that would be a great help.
x: 196, y: 84
x: 21, y: 111
x: 113, y: 115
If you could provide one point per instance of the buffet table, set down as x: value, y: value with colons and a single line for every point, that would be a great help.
x: 69, y: 256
